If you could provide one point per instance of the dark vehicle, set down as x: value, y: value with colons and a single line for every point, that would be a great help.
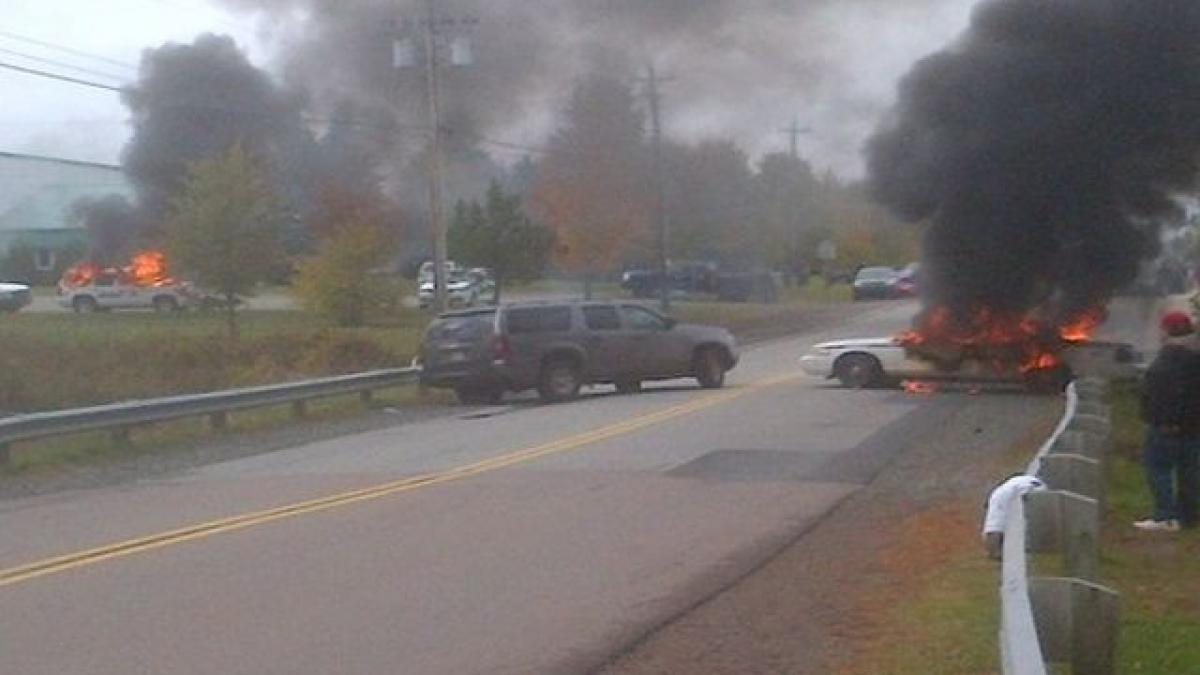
x: 683, y: 277
x: 875, y: 283
x: 556, y: 348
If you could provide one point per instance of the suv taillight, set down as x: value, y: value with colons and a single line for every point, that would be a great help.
x: 501, y: 349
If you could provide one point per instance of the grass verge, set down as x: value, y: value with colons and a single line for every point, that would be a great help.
x: 950, y: 623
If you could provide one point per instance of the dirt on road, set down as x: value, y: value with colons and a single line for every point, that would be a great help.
x: 822, y: 604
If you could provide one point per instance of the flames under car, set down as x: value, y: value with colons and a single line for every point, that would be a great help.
x: 881, y: 362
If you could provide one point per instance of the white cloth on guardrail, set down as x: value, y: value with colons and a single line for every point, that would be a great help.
x: 998, y: 501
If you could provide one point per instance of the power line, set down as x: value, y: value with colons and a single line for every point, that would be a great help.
x: 60, y: 64
x: 65, y: 50
x: 61, y: 78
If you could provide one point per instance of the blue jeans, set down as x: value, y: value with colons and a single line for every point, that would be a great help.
x: 1171, y: 463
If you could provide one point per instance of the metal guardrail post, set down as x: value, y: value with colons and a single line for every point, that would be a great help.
x: 1068, y: 523
x: 120, y: 418
x: 1077, y: 623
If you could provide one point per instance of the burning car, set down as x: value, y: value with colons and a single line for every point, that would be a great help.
x: 985, y: 348
x: 142, y: 284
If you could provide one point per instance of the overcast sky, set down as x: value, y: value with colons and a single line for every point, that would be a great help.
x: 47, y: 117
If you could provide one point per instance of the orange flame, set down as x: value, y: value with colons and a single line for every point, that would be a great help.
x: 148, y: 268
x: 145, y: 268
x: 1025, y: 343
x: 919, y: 388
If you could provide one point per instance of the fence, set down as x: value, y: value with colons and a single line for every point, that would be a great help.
x: 1068, y: 619
x: 121, y: 417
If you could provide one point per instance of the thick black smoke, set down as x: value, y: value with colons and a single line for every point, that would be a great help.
x: 195, y: 101
x: 113, y: 224
x: 1046, y: 149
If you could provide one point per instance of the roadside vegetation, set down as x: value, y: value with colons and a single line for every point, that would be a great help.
x: 948, y: 620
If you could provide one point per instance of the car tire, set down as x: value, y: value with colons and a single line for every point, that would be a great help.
x: 709, y: 367
x: 628, y: 386
x: 559, y: 381
x: 85, y: 304
x: 858, y: 371
x: 164, y: 304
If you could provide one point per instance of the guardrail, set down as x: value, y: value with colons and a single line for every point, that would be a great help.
x: 1068, y: 619
x: 121, y: 417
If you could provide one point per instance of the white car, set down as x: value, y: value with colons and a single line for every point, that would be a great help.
x: 110, y: 291
x: 14, y: 296
x: 877, y: 362
x: 460, y: 292
x: 863, y: 362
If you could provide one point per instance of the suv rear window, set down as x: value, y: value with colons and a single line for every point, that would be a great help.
x: 461, y: 327
x: 538, y: 320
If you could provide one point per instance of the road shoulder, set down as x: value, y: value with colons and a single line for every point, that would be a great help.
x: 822, y: 597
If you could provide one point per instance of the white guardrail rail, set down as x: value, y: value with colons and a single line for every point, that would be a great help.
x: 121, y: 417
x: 1068, y: 619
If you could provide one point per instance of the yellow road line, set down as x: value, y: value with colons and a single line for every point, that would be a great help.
x: 15, y: 575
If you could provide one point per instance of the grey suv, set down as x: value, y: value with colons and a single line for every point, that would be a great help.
x: 556, y: 348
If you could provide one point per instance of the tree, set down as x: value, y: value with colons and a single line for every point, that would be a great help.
x: 498, y: 235
x: 592, y: 186
x: 338, y: 282
x: 223, y: 231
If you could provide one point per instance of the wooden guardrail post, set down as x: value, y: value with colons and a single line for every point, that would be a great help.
x: 1061, y: 521
x: 1077, y: 623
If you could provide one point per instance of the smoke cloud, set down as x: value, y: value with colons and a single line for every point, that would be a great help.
x: 1046, y: 148
x: 738, y: 68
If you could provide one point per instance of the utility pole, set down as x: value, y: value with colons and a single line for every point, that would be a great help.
x: 660, y: 206
x: 794, y: 131
x: 431, y: 29
x: 436, y: 222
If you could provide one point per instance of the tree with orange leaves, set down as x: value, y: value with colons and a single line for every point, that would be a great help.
x: 593, y: 186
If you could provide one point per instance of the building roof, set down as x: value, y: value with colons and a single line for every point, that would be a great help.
x: 37, y: 193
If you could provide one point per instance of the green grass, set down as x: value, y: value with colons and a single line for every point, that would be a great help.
x: 950, y: 626
x: 51, y: 361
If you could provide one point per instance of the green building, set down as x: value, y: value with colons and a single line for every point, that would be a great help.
x: 38, y: 236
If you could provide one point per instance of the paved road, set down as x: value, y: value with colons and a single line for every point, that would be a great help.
x: 508, y: 540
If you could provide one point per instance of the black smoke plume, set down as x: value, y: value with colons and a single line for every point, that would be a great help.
x: 1045, y: 150
x: 112, y: 223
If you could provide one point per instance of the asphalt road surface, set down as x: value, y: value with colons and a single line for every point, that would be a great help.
x: 515, y: 539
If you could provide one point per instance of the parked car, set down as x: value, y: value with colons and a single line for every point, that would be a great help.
x: 556, y: 348
x: 874, y: 283
x: 109, y: 290
x: 14, y: 297
x: 485, y: 283
x: 461, y: 291
x: 907, y: 283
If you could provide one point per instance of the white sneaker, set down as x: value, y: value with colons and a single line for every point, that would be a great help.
x: 1151, y: 525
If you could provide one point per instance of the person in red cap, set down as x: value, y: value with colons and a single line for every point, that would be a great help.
x: 1171, y: 409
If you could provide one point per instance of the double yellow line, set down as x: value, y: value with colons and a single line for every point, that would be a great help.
x: 129, y: 547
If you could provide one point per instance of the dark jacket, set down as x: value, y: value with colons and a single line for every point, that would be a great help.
x: 1171, y: 391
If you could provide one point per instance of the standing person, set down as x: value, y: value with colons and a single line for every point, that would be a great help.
x: 1171, y: 409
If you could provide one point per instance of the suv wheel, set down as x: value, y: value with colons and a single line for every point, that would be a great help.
x: 84, y: 304
x: 559, y: 381
x: 165, y: 303
x: 710, y: 369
